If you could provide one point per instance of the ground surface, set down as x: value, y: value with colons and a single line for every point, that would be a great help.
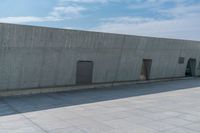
x: 165, y: 107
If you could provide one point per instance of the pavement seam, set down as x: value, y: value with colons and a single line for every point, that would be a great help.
x: 9, y: 105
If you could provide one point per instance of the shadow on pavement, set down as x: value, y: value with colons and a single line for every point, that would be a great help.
x: 23, y: 104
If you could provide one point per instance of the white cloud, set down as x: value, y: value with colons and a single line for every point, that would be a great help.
x: 184, y: 22
x: 62, y: 11
x: 153, y: 4
x: 182, y: 10
x: 181, y: 28
x: 88, y: 1
x: 59, y: 13
x: 127, y: 20
x: 26, y: 19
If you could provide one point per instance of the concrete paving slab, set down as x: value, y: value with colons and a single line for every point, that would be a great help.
x: 161, y: 107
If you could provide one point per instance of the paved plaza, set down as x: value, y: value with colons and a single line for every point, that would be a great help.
x: 163, y: 107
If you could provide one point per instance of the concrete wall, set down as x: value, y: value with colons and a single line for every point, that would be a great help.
x: 32, y: 57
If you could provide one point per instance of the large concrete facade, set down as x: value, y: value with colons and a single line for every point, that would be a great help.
x: 32, y: 57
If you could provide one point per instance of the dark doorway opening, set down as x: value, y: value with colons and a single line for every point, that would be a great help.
x: 190, y: 69
x: 84, y: 72
x: 146, y: 69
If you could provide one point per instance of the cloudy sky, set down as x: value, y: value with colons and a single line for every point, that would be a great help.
x: 159, y: 18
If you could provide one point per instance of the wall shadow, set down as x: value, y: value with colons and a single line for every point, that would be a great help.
x: 23, y: 104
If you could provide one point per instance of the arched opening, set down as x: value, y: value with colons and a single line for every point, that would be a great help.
x: 190, y: 69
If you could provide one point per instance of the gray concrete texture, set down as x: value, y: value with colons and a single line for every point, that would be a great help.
x: 32, y: 57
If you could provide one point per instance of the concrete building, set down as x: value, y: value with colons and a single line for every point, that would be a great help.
x: 37, y: 57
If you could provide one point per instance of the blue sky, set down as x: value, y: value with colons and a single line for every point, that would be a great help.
x: 159, y: 18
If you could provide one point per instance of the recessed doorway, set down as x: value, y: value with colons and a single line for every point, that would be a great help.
x: 84, y: 72
x: 190, y: 69
x: 146, y: 69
